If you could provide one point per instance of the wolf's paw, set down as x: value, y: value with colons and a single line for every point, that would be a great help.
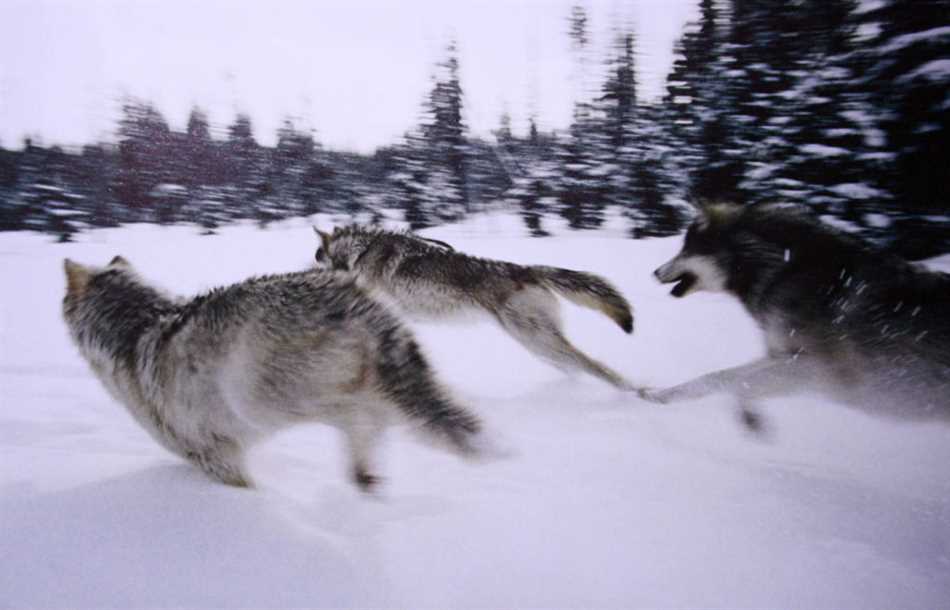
x: 754, y: 423
x: 654, y: 395
x: 490, y: 446
x: 367, y: 482
x: 625, y: 386
x: 226, y: 470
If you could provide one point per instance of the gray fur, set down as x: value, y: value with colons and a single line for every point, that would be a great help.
x: 429, y: 279
x: 210, y: 376
x: 839, y: 317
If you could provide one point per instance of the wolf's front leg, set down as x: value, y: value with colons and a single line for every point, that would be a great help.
x: 736, y: 380
x: 771, y: 376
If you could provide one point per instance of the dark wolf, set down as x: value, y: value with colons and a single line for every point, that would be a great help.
x: 210, y: 376
x: 839, y: 316
x: 429, y: 279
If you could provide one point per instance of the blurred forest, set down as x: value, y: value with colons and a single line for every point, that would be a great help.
x: 839, y: 105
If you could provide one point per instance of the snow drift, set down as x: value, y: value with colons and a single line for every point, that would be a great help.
x: 607, y: 502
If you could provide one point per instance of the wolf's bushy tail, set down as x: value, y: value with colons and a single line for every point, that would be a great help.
x: 406, y: 378
x: 588, y: 290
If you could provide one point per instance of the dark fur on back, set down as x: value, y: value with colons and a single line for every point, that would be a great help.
x: 414, y: 256
x: 780, y: 256
x: 480, y: 281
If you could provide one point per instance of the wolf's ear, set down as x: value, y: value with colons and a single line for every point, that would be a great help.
x: 119, y: 261
x: 721, y: 210
x: 716, y: 213
x: 325, y: 238
x: 702, y: 206
x: 698, y: 203
x: 77, y: 277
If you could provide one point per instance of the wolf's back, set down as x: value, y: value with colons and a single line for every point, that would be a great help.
x: 588, y: 290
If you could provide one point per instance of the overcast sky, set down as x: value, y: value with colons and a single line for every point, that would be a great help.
x: 356, y: 71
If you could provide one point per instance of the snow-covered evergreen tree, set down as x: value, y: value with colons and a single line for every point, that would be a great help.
x: 534, y: 172
x: 444, y: 134
x: 583, y: 167
x: 655, y: 209
x: 429, y: 169
x: 290, y: 163
x: 622, y: 152
x: 826, y: 157
x: 691, y: 102
x: 146, y: 157
x: 908, y: 77
x: 704, y: 92
x: 408, y: 175
x: 245, y: 169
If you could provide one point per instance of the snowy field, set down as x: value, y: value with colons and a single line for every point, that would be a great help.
x: 607, y: 502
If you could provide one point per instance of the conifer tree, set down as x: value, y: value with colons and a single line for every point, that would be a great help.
x: 908, y: 76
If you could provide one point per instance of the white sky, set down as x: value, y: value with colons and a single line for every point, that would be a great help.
x: 356, y: 71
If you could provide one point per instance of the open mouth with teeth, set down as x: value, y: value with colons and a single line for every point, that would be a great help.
x: 684, y: 282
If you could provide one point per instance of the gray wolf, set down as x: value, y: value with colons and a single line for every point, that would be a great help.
x: 210, y: 376
x: 839, y: 317
x: 429, y: 279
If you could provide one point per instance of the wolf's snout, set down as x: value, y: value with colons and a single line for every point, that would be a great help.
x: 674, y: 271
x: 666, y: 273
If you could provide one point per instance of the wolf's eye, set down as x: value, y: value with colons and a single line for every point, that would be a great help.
x: 698, y: 241
x: 690, y: 238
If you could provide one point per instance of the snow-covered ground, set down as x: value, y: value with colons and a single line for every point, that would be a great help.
x: 608, y: 501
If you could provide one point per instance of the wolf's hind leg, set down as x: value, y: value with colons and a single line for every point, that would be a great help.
x: 361, y: 439
x: 223, y: 461
x: 540, y: 332
x: 407, y: 383
x: 751, y: 417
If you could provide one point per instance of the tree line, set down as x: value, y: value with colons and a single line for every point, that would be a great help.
x: 840, y: 105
